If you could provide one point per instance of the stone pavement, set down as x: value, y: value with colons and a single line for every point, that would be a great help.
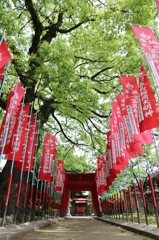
x: 77, y: 228
x: 149, y: 231
x: 15, y: 231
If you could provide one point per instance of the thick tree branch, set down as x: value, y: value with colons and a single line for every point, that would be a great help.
x: 101, y: 92
x: 37, y: 26
x: 81, y: 124
x: 70, y: 140
x: 96, y: 127
x: 98, y: 73
x: 99, y: 115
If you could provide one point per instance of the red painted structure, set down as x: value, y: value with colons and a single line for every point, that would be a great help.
x: 76, y: 182
x: 79, y: 201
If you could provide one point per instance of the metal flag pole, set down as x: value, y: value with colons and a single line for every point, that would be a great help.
x: 2, y: 39
x: 12, y: 165
x: 111, y: 204
x: 114, y: 200
x: 121, y: 201
x: 44, y: 193
x: 31, y: 195
x: 106, y: 204
x: 154, y: 84
x: 51, y: 199
x: 156, y: 90
x: 126, y: 205
x: 151, y: 187
x: 45, y: 199
x: 116, y: 213
x: 37, y: 183
x: 39, y: 199
x: 52, y: 186
x: 26, y: 188
x: 21, y: 173
x: 129, y: 195
x: 118, y: 199
x: 49, y: 194
x: 154, y: 140
x: 136, y: 200
x: 4, y: 78
x: 142, y: 190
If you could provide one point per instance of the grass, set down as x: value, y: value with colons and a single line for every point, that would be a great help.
x: 151, y: 218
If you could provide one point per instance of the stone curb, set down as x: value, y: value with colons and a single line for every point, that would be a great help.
x: 13, y: 231
x: 143, y: 229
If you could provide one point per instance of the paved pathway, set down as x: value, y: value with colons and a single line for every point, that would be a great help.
x: 81, y: 228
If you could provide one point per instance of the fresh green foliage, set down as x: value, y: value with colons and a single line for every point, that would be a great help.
x: 69, y: 55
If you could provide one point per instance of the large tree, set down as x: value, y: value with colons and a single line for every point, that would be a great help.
x: 69, y: 55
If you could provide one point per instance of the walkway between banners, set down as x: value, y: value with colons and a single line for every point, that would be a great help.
x: 82, y: 228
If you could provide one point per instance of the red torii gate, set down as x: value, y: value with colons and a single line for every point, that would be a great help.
x: 76, y: 182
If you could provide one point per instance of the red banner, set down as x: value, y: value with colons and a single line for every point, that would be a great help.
x: 4, y: 54
x: 125, y: 142
x: 122, y: 158
x: 115, y: 167
x: 148, y: 110
x: 102, y: 172
x: 47, y: 161
x: 97, y: 180
x: 30, y: 150
x: 4, y: 119
x: 108, y: 161
x: 134, y: 147
x: 17, y: 98
x: 21, y: 135
x: 1, y: 73
x: 59, y: 171
x: 150, y: 46
x: 157, y: 5
x: 13, y: 125
x: 131, y: 91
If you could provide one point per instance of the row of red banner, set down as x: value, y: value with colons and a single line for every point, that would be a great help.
x: 5, y: 57
x: 134, y: 114
x: 13, y: 111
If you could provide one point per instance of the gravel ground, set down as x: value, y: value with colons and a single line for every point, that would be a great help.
x: 81, y: 228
